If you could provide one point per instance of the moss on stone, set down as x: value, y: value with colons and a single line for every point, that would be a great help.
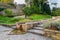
x: 16, y: 32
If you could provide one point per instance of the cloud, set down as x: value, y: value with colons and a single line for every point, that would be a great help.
x: 54, y: 1
x: 20, y: 1
x: 58, y: 5
x: 51, y: 1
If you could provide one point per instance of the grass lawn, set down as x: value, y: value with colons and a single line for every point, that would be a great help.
x: 5, y: 20
x: 39, y: 17
x: 9, y: 20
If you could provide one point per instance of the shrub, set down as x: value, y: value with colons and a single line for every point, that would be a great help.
x: 33, y: 9
x: 16, y: 19
x: 27, y: 11
x: 12, y: 5
x: 2, y: 8
x: 53, y: 25
x: 37, y: 10
x: 20, y: 20
x: 56, y: 12
x: 8, y: 12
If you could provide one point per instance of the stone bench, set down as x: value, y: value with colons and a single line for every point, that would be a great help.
x: 23, y: 26
x: 19, y: 25
x: 28, y: 25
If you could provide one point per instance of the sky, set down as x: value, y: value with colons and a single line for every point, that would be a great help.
x: 55, y: 1
x: 20, y: 1
x: 23, y: 2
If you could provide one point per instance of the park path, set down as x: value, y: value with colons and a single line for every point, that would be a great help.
x: 4, y: 31
x: 37, y: 30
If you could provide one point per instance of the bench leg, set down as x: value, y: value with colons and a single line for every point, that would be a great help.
x: 24, y: 27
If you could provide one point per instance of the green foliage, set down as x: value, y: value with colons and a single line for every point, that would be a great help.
x: 39, y: 17
x: 45, y: 8
x: 31, y: 10
x: 39, y: 7
x: 8, y: 12
x: 2, y: 8
x: 9, y: 20
x: 27, y: 11
x: 13, y: 20
x: 53, y: 24
x: 36, y: 9
x: 36, y: 3
x: 12, y: 5
x: 16, y: 19
x: 56, y: 12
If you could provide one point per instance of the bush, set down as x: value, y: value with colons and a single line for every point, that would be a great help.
x: 56, y: 12
x: 16, y: 19
x: 27, y: 11
x: 2, y: 8
x: 53, y: 25
x: 8, y: 12
x: 12, y: 5
x: 36, y: 10
x: 33, y: 9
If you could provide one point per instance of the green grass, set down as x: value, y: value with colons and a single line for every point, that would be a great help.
x: 6, y: 20
x: 39, y: 17
x: 11, y: 20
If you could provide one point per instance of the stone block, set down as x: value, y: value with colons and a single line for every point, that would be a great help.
x: 24, y: 27
x: 29, y: 26
x: 18, y: 26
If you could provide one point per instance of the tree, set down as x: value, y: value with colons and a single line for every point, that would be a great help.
x: 54, y: 8
x: 45, y: 7
x: 40, y: 6
x: 36, y: 7
x: 27, y: 11
x: 2, y: 8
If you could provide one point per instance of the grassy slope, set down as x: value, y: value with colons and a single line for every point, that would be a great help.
x: 39, y: 17
x: 7, y: 20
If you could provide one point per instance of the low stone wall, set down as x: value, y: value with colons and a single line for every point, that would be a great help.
x: 52, y: 33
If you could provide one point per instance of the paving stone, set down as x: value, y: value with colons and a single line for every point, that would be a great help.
x: 27, y: 36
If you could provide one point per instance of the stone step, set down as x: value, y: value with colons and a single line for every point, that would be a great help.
x: 41, y: 25
x: 36, y: 31
x: 38, y: 28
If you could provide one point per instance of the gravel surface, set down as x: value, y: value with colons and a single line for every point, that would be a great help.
x: 4, y: 31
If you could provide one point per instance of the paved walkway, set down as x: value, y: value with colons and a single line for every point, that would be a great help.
x: 28, y: 36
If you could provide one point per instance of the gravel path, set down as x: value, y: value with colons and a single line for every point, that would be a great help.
x: 28, y: 36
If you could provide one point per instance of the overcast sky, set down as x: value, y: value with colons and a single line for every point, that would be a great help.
x: 20, y: 1
x: 23, y: 2
x: 55, y: 1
